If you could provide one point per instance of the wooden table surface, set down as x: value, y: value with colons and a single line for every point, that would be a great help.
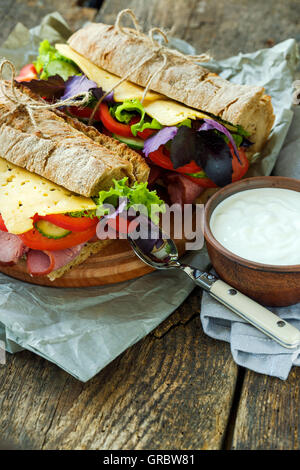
x: 177, y: 388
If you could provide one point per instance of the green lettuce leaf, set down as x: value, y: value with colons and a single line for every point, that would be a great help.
x: 125, y: 112
x: 186, y: 122
x: 137, y: 195
x: 50, y: 62
x: 238, y: 138
x: 199, y: 174
x: 91, y: 214
x: 140, y: 127
x: 122, y: 114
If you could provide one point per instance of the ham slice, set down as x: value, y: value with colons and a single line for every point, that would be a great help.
x: 41, y: 263
x: 155, y: 173
x: 181, y: 190
x: 11, y: 248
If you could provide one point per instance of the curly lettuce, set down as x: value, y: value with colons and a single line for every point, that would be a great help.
x: 50, y: 62
x: 124, y: 113
x: 137, y: 196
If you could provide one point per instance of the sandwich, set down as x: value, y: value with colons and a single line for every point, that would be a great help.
x: 189, y: 133
x: 55, y: 184
x: 194, y: 129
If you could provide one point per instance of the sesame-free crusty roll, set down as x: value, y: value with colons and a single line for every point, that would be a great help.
x: 67, y: 152
x: 181, y: 80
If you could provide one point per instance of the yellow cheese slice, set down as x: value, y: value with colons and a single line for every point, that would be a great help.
x: 106, y: 80
x: 164, y: 110
x: 170, y: 113
x: 24, y: 194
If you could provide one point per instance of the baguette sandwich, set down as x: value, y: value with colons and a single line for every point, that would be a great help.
x: 53, y: 185
x: 191, y: 133
x: 195, y: 129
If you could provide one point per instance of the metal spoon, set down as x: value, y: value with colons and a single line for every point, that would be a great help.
x: 164, y: 255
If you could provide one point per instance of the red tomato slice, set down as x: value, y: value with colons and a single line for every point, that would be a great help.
x: 84, y: 113
x: 146, y: 133
x: 161, y: 158
x: 119, y: 128
x: 191, y: 167
x: 239, y: 169
x: 121, y: 224
x: 36, y: 241
x: 74, y: 224
x: 2, y: 225
x: 111, y: 124
x: 27, y: 73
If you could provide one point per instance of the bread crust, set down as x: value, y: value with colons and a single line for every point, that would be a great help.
x: 181, y: 79
x: 88, y: 250
x: 140, y: 168
x: 67, y: 153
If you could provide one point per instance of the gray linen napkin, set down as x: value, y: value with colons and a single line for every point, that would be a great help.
x: 250, y: 348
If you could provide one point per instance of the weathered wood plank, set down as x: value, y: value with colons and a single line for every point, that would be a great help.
x: 30, y: 13
x: 269, y: 413
x: 224, y: 27
x: 169, y: 392
x: 30, y: 390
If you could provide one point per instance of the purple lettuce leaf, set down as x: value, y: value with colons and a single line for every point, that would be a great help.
x: 158, y: 139
x: 77, y: 84
x: 100, y: 229
x: 52, y: 88
x: 150, y: 235
x: 110, y: 98
x: 210, y: 124
x: 118, y: 211
x: 99, y: 92
x: 207, y: 149
x: 202, y: 145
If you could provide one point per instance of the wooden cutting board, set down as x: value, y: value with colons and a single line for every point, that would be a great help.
x: 115, y: 263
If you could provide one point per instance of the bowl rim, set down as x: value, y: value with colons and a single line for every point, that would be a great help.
x: 228, y: 191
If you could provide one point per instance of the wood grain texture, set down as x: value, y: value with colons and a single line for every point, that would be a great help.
x: 115, y: 263
x: 224, y: 27
x: 268, y: 417
x: 163, y: 393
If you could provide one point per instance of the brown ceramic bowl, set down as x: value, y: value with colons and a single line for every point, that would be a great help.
x: 270, y: 285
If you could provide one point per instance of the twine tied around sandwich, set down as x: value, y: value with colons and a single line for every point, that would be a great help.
x: 30, y: 105
x: 82, y: 98
x: 158, y: 50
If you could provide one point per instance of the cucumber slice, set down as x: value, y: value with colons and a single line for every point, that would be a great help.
x: 50, y: 230
x: 132, y: 142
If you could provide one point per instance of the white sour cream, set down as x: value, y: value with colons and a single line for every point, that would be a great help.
x: 261, y: 225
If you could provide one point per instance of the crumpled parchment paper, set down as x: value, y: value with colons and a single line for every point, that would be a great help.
x: 82, y: 330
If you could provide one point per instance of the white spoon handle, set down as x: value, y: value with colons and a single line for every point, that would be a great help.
x: 269, y: 323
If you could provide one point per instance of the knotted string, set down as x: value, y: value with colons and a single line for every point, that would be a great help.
x: 28, y: 104
x: 158, y: 50
x: 82, y: 98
